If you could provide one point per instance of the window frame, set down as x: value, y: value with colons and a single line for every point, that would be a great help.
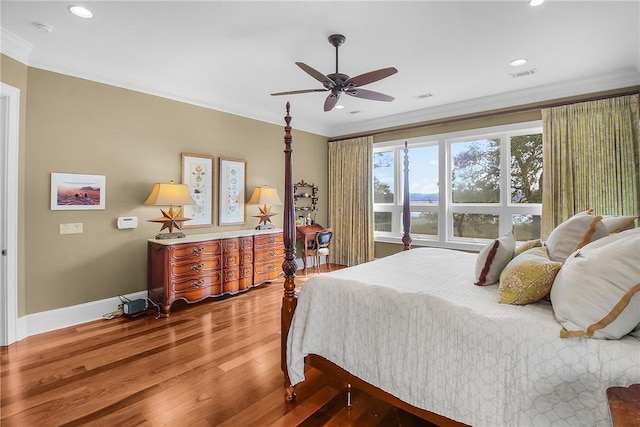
x: 445, y: 208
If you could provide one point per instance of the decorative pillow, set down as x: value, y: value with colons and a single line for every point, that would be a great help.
x: 596, y: 294
x: 528, y: 277
x: 616, y: 224
x: 493, y: 258
x: 573, y: 234
x: 526, y: 246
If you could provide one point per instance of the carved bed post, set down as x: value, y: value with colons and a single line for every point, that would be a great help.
x: 289, y: 265
x: 406, y: 208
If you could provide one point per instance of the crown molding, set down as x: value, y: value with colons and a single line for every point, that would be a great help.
x: 622, y: 79
x: 15, y: 47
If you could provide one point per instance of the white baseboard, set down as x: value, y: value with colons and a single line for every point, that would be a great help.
x: 46, y: 321
x: 64, y: 317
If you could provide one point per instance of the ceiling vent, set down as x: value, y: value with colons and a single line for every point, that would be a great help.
x: 355, y: 112
x: 423, y: 96
x: 524, y: 73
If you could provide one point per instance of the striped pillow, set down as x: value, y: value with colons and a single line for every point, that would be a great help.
x: 493, y: 258
x: 573, y: 234
x: 596, y: 293
x: 616, y: 224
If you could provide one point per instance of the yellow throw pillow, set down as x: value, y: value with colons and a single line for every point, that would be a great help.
x: 528, y: 277
x: 527, y: 245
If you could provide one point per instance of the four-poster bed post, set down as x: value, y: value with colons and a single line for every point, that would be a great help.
x: 406, y: 211
x: 289, y: 265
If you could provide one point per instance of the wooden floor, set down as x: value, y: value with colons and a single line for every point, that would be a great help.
x: 215, y: 363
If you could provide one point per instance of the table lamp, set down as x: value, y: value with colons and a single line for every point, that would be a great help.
x: 264, y: 196
x: 169, y: 195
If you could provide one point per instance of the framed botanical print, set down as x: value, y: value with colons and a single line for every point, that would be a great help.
x: 231, y: 194
x: 197, y: 174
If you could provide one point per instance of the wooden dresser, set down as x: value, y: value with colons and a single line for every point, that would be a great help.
x: 207, y: 265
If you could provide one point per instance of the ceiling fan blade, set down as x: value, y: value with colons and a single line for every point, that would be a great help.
x: 294, y: 92
x: 331, y: 101
x: 369, y: 94
x: 370, y: 77
x: 326, y: 81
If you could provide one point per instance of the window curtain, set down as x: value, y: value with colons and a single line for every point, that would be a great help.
x: 590, y: 159
x: 350, y: 200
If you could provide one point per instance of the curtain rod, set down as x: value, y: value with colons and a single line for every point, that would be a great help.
x: 495, y: 113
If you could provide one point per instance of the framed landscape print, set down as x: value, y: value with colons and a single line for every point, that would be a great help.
x: 231, y: 194
x: 70, y: 191
x: 197, y: 174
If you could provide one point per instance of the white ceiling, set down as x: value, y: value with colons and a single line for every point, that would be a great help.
x: 230, y: 55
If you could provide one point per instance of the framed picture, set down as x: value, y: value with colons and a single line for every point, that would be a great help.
x: 197, y: 174
x: 231, y: 194
x: 70, y: 191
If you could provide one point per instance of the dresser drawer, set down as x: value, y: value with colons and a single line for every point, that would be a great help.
x: 266, y: 272
x: 195, y: 250
x: 230, y: 246
x: 195, y: 283
x: 246, y: 243
x: 268, y: 240
x: 269, y: 254
x: 202, y: 265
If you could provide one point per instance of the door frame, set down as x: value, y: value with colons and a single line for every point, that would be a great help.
x: 9, y: 143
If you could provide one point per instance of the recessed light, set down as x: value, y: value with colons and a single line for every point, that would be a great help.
x: 80, y: 11
x: 535, y: 2
x: 339, y: 107
x: 518, y: 62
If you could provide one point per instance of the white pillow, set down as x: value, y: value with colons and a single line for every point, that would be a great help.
x: 573, y: 234
x: 493, y: 258
x: 616, y: 224
x: 597, y: 291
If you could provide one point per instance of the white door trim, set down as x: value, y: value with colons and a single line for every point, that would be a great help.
x: 9, y: 142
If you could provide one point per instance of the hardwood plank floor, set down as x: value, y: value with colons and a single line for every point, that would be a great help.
x: 215, y: 363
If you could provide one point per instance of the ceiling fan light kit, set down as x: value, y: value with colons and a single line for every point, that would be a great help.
x: 338, y: 83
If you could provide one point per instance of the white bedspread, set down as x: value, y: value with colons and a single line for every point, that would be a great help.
x: 414, y: 325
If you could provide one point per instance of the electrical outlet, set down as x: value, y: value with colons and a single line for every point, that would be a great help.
x: 72, y: 228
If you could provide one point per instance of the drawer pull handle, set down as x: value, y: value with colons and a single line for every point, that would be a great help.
x: 197, y: 251
x: 197, y: 283
x: 272, y: 253
x: 272, y: 267
x: 197, y: 267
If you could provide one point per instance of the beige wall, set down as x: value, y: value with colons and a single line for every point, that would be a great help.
x: 78, y: 126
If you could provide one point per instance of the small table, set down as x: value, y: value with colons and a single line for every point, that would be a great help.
x: 306, y: 233
x: 624, y: 405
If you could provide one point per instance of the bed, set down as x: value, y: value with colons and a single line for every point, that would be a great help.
x: 465, y: 359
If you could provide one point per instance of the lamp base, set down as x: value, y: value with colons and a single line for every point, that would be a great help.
x: 265, y: 227
x: 163, y: 236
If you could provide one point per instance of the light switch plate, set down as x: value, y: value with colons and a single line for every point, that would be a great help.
x: 71, y: 228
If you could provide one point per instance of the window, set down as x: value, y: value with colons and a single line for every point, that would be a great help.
x: 465, y: 187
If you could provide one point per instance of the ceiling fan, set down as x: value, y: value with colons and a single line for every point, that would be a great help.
x: 339, y: 83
